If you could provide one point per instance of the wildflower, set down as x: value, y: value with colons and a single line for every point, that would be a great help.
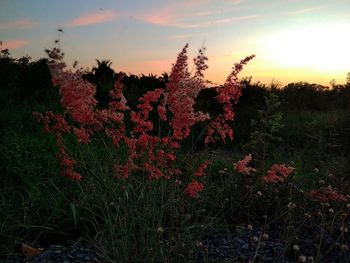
x: 242, y: 165
x: 202, y: 167
x: 223, y: 171
x: 250, y: 227
x: 291, y: 205
x: 160, y: 230
x: 330, y: 210
x: 302, y: 258
x: 181, y: 91
x: 255, y: 239
x: 277, y: 173
x: 145, y: 151
x: 343, y: 229
x: 121, y: 171
x: 316, y: 170
x: 295, y: 247
x: 265, y: 236
x: 230, y: 91
x: 259, y: 193
x: 162, y: 112
x: 199, y: 244
x: 193, y: 188
x: 348, y: 206
x: 307, y: 215
x: 325, y: 194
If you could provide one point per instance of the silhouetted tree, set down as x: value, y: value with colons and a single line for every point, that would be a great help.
x: 103, y: 71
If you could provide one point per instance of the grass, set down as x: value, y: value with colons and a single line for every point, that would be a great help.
x: 138, y: 220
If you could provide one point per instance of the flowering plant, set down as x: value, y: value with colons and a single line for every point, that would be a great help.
x: 151, y: 154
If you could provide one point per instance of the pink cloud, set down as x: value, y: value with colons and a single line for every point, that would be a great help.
x: 187, y: 15
x: 13, y: 44
x: 168, y: 21
x: 23, y: 23
x: 163, y: 16
x: 93, y: 18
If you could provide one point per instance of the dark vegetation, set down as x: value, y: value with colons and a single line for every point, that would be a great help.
x: 305, y: 123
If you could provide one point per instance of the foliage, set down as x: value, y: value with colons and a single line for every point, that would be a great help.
x: 148, y: 153
x: 40, y: 208
x: 265, y: 128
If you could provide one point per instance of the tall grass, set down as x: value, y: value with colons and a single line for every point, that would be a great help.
x: 140, y: 220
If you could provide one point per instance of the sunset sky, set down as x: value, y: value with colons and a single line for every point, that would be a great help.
x: 293, y: 40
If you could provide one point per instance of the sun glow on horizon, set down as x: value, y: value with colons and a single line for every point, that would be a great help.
x: 323, y: 48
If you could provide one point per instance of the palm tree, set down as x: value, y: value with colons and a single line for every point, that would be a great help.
x: 103, y: 70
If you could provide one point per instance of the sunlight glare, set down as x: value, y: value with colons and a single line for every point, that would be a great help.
x: 323, y: 48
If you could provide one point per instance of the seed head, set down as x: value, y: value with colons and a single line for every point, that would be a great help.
x: 302, y: 258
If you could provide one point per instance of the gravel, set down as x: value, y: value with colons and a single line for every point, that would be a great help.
x: 268, y: 245
x: 55, y: 253
x: 239, y: 244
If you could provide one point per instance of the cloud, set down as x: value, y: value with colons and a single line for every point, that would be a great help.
x: 170, y: 16
x: 187, y: 36
x: 234, y: 2
x: 307, y: 10
x: 23, y: 23
x: 234, y: 19
x: 163, y: 16
x: 93, y: 18
x: 13, y: 44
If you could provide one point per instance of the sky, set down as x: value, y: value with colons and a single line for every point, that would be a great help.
x: 293, y: 40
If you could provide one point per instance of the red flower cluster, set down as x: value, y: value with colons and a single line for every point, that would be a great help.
x: 229, y: 93
x: 202, y: 167
x: 242, y: 165
x: 154, y: 155
x: 326, y: 194
x: 277, y: 173
x: 193, y: 188
x: 181, y: 92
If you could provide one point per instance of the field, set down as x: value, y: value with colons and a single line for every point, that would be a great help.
x: 285, y: 173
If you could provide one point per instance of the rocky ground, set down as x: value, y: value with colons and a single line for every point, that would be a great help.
x: 241, y: 244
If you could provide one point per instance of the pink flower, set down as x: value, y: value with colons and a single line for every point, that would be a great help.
x: 145, y: 150
x: 66, y: 163
x: 325, y: 194
x: 193, y: 188
x: 121, y: 171
x: 242, y: 165
x: 181, y: 92
x: 229, y: 93
x: 82, y: 135
x: 162, y: 112
x: 277, y: 173
x: 202, y: 167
